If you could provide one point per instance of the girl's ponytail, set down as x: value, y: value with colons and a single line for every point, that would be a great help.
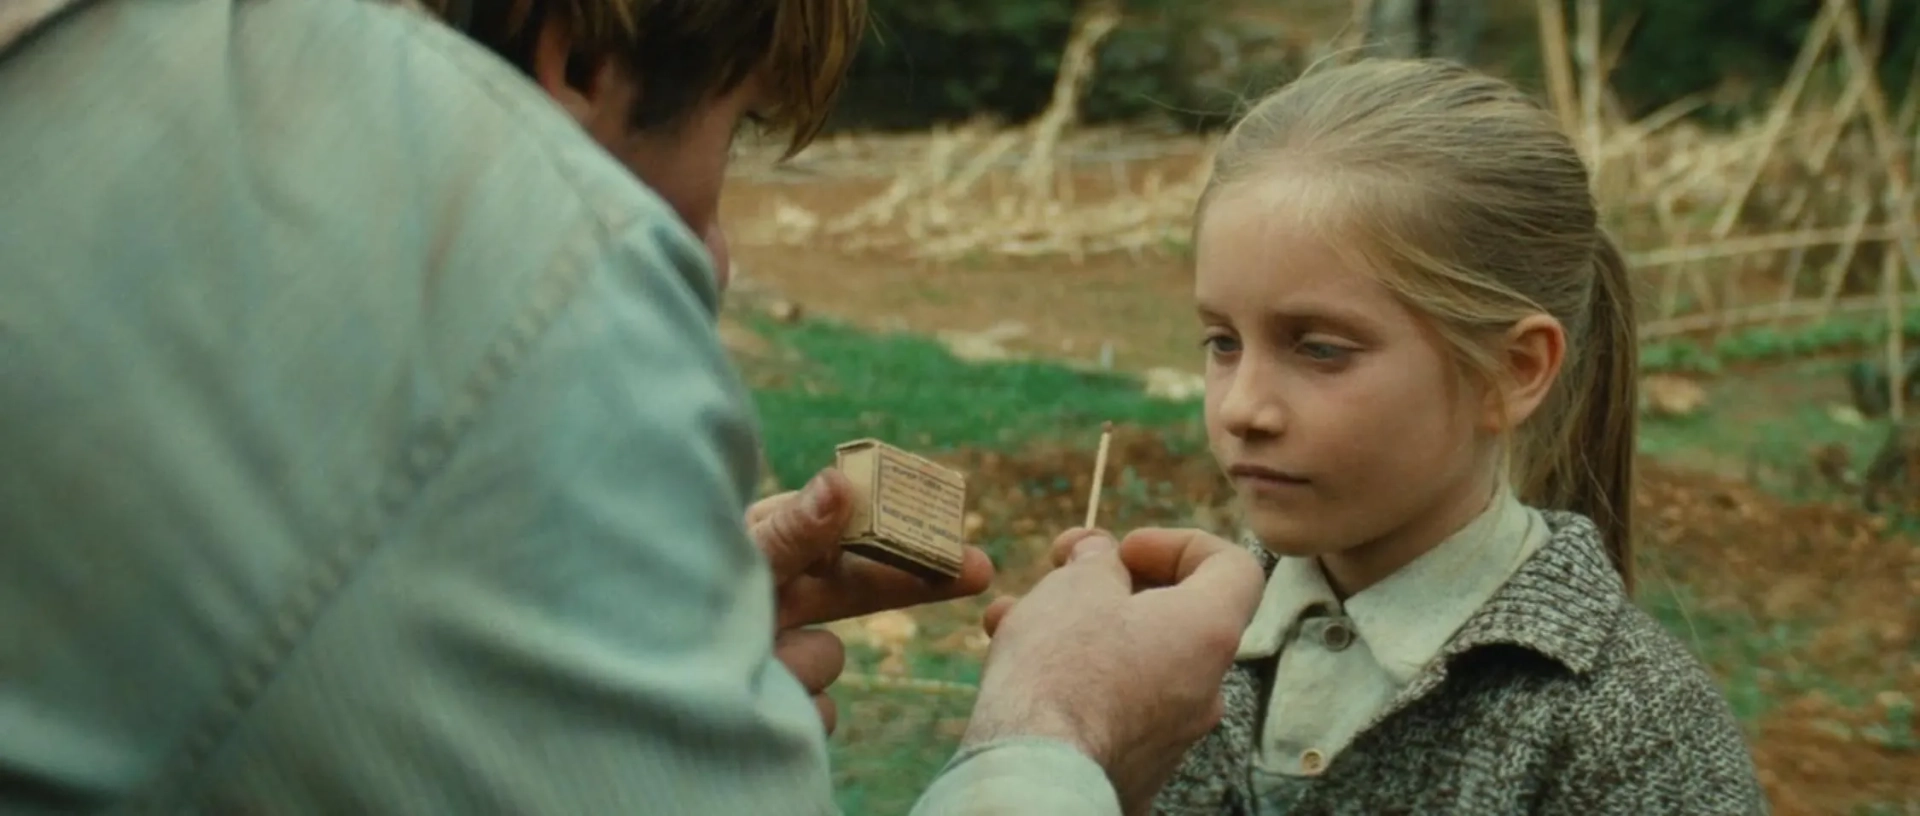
x: 1593, y: 471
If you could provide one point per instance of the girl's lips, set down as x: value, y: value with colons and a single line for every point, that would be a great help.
x: 1260, y: 474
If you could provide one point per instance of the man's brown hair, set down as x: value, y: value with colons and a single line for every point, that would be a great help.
x: 684, y: 52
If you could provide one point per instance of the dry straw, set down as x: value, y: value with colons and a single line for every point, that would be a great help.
x: 1793, y: 216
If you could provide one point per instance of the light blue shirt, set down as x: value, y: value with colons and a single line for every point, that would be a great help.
x: 366, y: 446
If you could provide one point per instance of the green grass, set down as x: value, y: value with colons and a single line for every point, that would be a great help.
x: 909, y: 391
x: 837, y: 383
x: 1764, y: 424
x: 892, y: 743
x: 1767, y: 344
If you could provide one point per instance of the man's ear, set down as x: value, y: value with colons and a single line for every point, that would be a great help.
x: 585, y: 92
x: 1530, y: 356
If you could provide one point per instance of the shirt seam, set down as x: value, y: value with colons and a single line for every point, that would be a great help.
x: 431, y: 445
x: 420, y: 460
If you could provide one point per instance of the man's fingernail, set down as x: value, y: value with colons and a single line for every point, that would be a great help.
x: 819, y: 498
x: 1093, y: 545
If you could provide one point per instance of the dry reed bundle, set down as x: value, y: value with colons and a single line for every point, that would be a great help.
x: 957, y: 200
x: 1804, y: 213
x: 1815, y: 195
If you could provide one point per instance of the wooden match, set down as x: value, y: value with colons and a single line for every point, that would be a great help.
x: 1099, y: 473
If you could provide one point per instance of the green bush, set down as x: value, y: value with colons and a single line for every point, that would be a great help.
x: 931, y: 61
x: 1742, y: 49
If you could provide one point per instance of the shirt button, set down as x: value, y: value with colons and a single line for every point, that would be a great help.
x: 1337, y: 636
x: 1312, y: 762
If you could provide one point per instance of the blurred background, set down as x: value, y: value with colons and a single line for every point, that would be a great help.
x: 988, y: 255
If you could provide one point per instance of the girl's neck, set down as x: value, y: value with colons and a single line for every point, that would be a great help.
x: 1353, y: 569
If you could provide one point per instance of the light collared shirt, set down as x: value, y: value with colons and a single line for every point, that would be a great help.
x: 367, y: 446
x: 1341, y: 664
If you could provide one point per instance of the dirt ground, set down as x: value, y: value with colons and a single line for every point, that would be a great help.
x: 1050, y: 306
x: 1828, y: 575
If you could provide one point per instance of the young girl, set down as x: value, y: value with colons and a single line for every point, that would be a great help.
x: 1421, y: 379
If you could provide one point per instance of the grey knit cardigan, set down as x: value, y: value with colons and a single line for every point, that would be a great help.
x: 1559, y: 696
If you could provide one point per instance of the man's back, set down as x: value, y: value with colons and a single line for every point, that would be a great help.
x: 345, y: 391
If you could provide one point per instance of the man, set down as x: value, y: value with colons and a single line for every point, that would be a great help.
x: 366, y: 445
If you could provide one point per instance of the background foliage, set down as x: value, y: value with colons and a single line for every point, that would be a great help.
x: 931, y: 61
x: 1744, y: 48
x: 1190, y: 62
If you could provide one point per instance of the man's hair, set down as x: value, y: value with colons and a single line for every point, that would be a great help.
x: 682, y: 53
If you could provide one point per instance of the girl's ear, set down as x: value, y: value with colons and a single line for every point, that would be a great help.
x: 1531, y: 357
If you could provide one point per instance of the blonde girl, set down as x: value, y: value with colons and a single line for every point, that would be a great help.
x: 1421, y: 379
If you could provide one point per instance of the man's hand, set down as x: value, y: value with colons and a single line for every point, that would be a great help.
x: 799, y: 531
x: 1120, y: 651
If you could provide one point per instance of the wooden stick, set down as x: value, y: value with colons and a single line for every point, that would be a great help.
x: 1810, y: 310
x: 1763, y: 243
x: 1553, y: 50
x: 1099, y: 474
x: 1359, y: 28
x: 1900, y: 198
x: 1837, y: 270
x: 1586, y: 51
x: 1779, y: 115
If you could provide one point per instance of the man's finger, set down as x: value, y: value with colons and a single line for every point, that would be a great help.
x: 798, y: 533
x: 1228, y: 582
x: 829, y: 711
x: 815, y: 656
x: 855, y: 586
x: 1162, y: 556
x: 1064, y: 543
x: 997, y: 612
x: 1093, y: 569
x: 758, y: 511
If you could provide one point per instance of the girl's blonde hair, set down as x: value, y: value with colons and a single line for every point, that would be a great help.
x: 1476, y: 210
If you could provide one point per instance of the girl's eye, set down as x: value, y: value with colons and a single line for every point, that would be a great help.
x: 1323, y: 352
x: 1220, y: 344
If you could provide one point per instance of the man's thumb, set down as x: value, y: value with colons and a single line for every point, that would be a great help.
x: 1096, y: 560
x: 806, y: 529
x: 1092, y: 546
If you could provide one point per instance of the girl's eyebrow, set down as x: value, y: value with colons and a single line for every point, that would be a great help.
x: 1295, y: 317
x: 1324, y: 316
x: 1307, y: 312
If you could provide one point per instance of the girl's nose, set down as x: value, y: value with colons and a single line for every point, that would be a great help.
x: 1251, y: 407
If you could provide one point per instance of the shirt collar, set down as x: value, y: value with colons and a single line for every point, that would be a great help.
x: 1408, y: 617
x: 1295, y: 586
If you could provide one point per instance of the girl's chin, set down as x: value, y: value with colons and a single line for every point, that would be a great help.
x: 1287, y: 537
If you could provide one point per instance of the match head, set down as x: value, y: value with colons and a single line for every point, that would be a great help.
x: 1107, y: 426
